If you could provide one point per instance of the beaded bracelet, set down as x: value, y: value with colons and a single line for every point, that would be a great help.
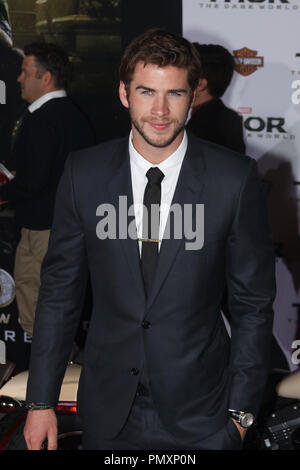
x: 39, y: 406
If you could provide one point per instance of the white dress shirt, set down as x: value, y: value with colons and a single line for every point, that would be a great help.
x: 170, y: 167
x: 47, y: 97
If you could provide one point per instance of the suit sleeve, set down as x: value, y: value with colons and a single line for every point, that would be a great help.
x: 63, y: 283
x: 251, y: 291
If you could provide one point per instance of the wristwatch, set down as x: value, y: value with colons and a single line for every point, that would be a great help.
x: 244, y: 418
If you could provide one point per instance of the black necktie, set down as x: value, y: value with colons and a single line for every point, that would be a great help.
x: 150, y: 240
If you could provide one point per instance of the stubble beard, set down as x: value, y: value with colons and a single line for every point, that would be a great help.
x: 159, y: 142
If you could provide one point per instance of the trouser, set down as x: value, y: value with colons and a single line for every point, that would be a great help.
x: 30, y: 253
x: 143, y: 430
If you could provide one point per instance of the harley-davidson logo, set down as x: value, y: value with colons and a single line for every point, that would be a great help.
x: 247, y: 61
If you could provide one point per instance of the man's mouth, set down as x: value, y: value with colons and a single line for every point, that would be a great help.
x: 159, y: 126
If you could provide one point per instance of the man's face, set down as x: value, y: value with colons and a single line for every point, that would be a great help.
x: 158, y: 102
x: 30, y: 80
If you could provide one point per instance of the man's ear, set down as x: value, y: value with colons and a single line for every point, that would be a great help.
x: 47, y: 78
x: 123, y: 95
x: 202, y: 85
x: 200, y: 92
x: 194, y: 97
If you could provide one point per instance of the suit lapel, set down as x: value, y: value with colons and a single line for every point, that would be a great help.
x: 121, y: 185
x: 188, y: 191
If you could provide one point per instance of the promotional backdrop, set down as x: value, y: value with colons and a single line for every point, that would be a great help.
x: 263, y: 37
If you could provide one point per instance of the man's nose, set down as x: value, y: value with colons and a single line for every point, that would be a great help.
x: 160, y: 106
x: 20, y: 77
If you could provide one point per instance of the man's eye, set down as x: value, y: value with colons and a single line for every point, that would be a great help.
x: 175, y: 93
x: 147, y: 92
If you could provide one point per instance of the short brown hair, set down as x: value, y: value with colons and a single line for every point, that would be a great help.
x: 51, y: 57
x: 162, y: 48
x: 217, y: 67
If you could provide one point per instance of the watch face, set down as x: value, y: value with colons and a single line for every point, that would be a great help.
x: 247, y: 420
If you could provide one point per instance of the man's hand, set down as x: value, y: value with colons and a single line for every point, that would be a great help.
x: 242, y: 430
x: 41, y: 425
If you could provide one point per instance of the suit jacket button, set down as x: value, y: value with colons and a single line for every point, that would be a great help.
x: 146, y: 324
x: 134, y: 371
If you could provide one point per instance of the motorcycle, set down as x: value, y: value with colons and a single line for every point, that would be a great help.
x: 277, y: 426
x: 13, y: 410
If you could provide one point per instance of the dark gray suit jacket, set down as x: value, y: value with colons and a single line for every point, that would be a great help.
x: 196, y: 372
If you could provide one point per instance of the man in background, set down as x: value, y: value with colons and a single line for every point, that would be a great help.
x: 50, y: 129
x: 211, y: 119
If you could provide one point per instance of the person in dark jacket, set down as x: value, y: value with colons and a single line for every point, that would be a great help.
x: 50, y: 129
x: 211, y: 119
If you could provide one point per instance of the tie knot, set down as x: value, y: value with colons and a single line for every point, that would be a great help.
x: 154, y: 175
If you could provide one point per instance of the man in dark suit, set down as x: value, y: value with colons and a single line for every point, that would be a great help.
x: 211, y: 119
x: 160, y: 371
x: 51, y: 128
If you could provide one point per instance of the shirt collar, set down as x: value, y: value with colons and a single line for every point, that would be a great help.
x: 166, y: 165
x: 47, y: 97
